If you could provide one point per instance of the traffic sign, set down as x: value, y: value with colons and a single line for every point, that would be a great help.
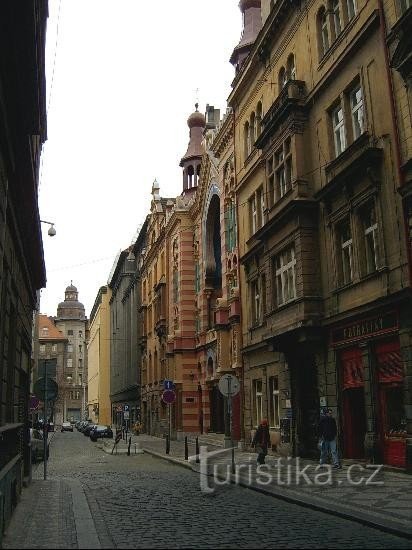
x: 168, y: 384
x: 229, y: 385
x: 126, y: 407
x: 46, y: 388
x: 126, y: 415
x: 168, y: 396
x: 34, y: 403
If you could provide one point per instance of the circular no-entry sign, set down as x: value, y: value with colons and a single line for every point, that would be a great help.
x: 168, y: 396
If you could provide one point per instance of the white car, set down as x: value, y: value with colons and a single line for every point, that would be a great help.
x: 67, y: 427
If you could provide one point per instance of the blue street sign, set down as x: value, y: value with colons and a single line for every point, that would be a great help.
x: 168, y: 384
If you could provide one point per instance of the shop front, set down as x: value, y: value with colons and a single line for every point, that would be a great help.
x: 371, y: 388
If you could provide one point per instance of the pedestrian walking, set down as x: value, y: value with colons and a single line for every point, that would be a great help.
x: 327, y: 431
x: 261, y: 441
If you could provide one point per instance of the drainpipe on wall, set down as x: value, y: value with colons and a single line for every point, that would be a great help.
x: 408, y: 458
x: 401, y: 177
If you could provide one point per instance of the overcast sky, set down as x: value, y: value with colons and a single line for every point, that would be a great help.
x: 123, y: 85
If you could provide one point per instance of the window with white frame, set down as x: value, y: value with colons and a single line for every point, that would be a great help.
x: 69, y: 363
x: 346, y: 252
x: 256, y: 210
x: 54, y: 348
x: 357, y: 111
x: 370, y: 232
x: 323, y: 31
x: 69, y: 348
x: 291, y: 68
x: 257, y: 401
x: 42, y: 348
x: 405, y: 5
x: 274, y: 402
x: 351, y: 9
x: 253, y: 215
x: 337, y: 27
x: 338, y: 125
x: 279, y: 172
x: 285, y: 276
x: 256, y: 301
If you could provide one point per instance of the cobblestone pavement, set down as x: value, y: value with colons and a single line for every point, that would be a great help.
x: 140, y: 501
x: 384, y: 497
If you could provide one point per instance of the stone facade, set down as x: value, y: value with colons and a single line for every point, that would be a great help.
x: 72, y: 322
x: 325, y: 283
x: 22, y: 271
x: 125, y: 330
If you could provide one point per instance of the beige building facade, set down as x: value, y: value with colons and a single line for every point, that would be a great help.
x: 98, y: 359
x: 325, y: 279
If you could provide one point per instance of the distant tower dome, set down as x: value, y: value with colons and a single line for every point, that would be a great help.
x: 192, y: 159
x: 71, y: 308
x: 252, y: 23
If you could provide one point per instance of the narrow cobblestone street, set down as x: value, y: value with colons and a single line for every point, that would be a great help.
x: 140, y: 501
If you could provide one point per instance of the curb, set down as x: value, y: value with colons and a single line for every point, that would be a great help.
x: 328, y: 508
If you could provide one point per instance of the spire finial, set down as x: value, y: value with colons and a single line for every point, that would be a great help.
x: 196, y: 105
x: 71, y: 282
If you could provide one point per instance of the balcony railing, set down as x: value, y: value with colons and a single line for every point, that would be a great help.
x: 291, y: 99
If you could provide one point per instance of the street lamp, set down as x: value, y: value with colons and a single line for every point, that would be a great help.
x: 52, y: 231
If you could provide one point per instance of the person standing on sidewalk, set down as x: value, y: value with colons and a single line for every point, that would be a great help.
x: 261, y: 440
x: 327, y: 431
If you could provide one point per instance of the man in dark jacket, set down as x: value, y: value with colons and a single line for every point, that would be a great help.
x: 262, y: 441
x: 327, y: 431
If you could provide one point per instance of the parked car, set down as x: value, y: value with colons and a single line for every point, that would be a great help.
x: 86, y: 430
x: 37, y: 445
x: 100, y: 431
x: 83, y: 425
x: 67, y: 427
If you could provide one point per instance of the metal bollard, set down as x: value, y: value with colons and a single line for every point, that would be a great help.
x: 167, y: 445
x: 128, y: 447
x: 197, y: 450
x: 186, y: 449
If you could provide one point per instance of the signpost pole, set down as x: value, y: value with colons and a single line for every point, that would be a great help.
x: 45, y: 426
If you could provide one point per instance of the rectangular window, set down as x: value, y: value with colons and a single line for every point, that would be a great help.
x: 42, y: 348
x: 279, y: 169
x: 70, y: 333
x: 80, y: 334
x: 54, y: 348
x: 356, y: 105
x: 338, y: 124
x: 336, y: 17
x: 69, y: 348
x: 274, y: 402
x: 69, y: 363
x: 345, y: 246
x: 351, y: 5
x: 370, y: 230
x: 256, y: 302
x: 324, y: 32
x: 253, y: 215
x: 257, y: 401
x: 285, y: 276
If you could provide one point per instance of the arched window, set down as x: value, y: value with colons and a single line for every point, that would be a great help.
x: 283, y: 78
x: 323, y: 32
x: 246, y: 140
x: 259, y: 119
x: 291, y: 68
x: 252, y: 129
x: 190, y: 174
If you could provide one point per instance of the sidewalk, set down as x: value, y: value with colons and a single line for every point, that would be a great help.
x: 385, y: 502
